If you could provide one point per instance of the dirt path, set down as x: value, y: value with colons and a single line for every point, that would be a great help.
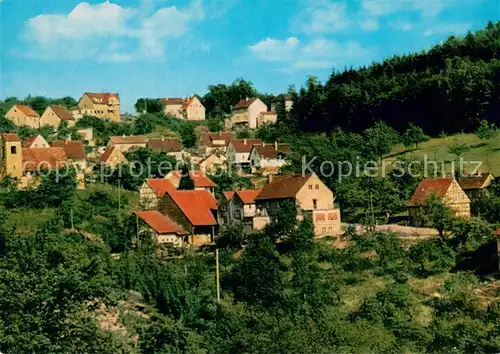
x: 406, y: 232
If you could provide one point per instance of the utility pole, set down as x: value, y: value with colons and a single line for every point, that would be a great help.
x: 119, y: 202
x: 371, y: 207
x: 71, y: 219
x: 217, y: 274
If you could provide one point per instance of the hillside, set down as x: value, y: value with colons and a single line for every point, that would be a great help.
x: 437, y: 149
x: 446, y: 89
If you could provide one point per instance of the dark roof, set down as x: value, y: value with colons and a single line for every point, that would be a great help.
x: 160, y: 223
x: 10, y: 137
x: 208, y: 138
x: 74, y: 149
x: 62, y: 112
x: 165, y: 145
x: 283, y: 187
x: 474, y: 181
x: 128, y: 139
x: 269, y: 150
x: 244, y: 103
x: 245, y: 145
x: 172, y: 101
x: 428, y: 187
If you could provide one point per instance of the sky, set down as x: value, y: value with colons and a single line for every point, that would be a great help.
x: 167, y: 48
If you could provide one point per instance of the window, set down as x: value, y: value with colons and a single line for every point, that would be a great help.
x: 13, y: 150
x: 310, y: 186
x: 330, y: 229
x: 317, y: 186
x: 315, y: 204
x: 324, y: 230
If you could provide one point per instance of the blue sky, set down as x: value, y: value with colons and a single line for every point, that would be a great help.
x: 166, y: 48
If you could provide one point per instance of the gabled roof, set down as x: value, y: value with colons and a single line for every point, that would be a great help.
x: 74, y: 149
x: 43, y: 158
x: 166, y: 145
x: 62, y: 112
x: 248, y: 196
x: 29, y: 141
x: 283, y: 187
x: 199, y: 179
x: 160, y: 223
x: 196, y: 205
x: 103, y: 97
x: 228, y: 195
x: 244, y: 145
x: 160, y: 185
x: 243, y: 104
x: 189, y: 101
x: 128, y: 139
x: 27, y: 110
x: 474, y: 181
x: 10, y: 137
x: 208, y: 138
x: 172, y: 101
x: 428, y: 187
x: 109, y: 151
x: 269, y: 150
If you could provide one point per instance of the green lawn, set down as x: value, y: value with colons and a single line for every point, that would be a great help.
x: 485, y: 151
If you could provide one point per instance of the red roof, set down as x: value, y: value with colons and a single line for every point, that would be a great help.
x: 11, y: 137
x: 160, y: 186
x: 27, y: 110
x: 102, y: 97
x: 248, y: 196
x: 283, y: 187
x: 166, y: 145
x: 244, y: 145
x: 474, y: 181
x: 199, y: 179
x: 43, y: 158
x: 428, y: 187
x: 188, y: 102
x: 196, y: 205
x: 228, y: 195
x: 208, y: 138
x: 269, y: 150
x: 172, y: 101
x: 496, y: 232
x: 128, y: 139
x: 29, y: 141
x: 160, y: 223
x: 74, y: 149
x: 244, y: 103
x: 62, y: 112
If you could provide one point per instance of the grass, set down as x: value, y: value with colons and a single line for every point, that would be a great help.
x: 28, y: 221
x: 485, y: 151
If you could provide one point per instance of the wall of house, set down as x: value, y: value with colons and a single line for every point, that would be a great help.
x: 19, y: 118
x: 263, y: 119
x: 326, y: 223
x: 50, y: 118
x: 12, y: 159
x: 174, y: 110
x: 195, y: 111
x: 168, y: 207
x: 457, y: 200
x: 254, y: 111
x: 103, y: 110
x: 173, y: 239
x: 126, y: 147
x: 148, y: 198
x: 315, y: 189
x: 115, y: 158
x: 39, y: 142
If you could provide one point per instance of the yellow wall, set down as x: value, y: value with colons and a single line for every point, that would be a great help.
x: 174, y: 110
x: 315, y: 189
x: 19, y: 118
x: 12, y: 159
x: 100, y: 110
x: 195, y: 111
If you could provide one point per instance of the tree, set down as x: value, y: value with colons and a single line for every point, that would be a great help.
x: 148, y: 105
x: 414, y: 135
x: 379, y: 139
x: 220, y: 98
x: 437, y: 215
x: 186, y: 182
x: 230, y: 236
x: 486, y: 130
x: 143, y: 124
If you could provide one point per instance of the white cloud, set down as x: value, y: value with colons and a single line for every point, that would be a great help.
x: 386, y: 7
x: 370, y: 24
x: 323, y: 17
x: 455, y: 28
x: 401, y: 25
x: 107, y: 32
x: 316, y: 54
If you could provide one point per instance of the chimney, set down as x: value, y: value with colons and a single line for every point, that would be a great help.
x: 270, y: 178
x: 263, y: 143
x: 162, y: 138
x: 244, y: 141
x: 275, y: 145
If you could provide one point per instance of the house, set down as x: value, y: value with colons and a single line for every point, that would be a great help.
x: 476, y: 185
x: 172, y: 146
x: 212, y: 163
x: 238, y: 151
x: 23, y: 115
x: 152, y: 190
x: 194, y: 210
x: 268, y: 157
x: 239, y: 207
x: 54, y: 115
x: 35, y: 141
x: 101, y: 105
x: 75, y: 152
x: 127, y: 142
x: 112, y: 156
x: 266, y: 118
x: 190, y: 108
x: 162, y: 229
x: 201, y: 181
x: 213, y: 142
x: 246, y: 112
x: 288, y: 102
x: 447, y: 190
x: 11, y: 163
x: 38, y: 159
x: 311, y: 196
x: 87, y: 135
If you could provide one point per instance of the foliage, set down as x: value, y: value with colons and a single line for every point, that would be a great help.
x: 143, y: 124
x: 486, y: 130
x: 230, y: 236
x: 380, y: 138
x: 414, y: 135
x: 220, y: 98
x: 226, y: 181
x: 186, y: 182
x: 103, y: 128
x: 437, y: 215
x: 147, y: 105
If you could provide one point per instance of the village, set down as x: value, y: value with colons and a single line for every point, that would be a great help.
x: 192, y: 218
